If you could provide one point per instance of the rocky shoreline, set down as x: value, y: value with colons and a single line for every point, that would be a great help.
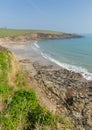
x: 69, y: 91
x: 61, y: 91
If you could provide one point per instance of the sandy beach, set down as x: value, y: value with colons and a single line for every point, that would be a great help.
x: 18, y: 45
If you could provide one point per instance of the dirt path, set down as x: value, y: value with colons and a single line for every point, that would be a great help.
x: 28, y: 67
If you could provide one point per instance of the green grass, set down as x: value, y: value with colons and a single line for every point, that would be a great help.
x: 14, y: 32
x: 5, y: 68
x: 22, y: 101
x: 21, y: 107
x: 22, y: 110
x: 21, y: 80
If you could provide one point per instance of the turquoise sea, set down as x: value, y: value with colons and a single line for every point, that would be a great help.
x: 72, y: 54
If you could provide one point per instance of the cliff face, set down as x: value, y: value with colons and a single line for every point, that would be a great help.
x: 53, y: 36
x: 39, y: 36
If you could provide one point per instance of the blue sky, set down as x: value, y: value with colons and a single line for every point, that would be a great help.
x: 60, y: 15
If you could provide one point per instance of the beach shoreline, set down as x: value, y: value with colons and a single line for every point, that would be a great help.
x: 18, y: 48
x: 62, y: 90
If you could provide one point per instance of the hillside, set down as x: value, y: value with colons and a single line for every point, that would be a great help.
x: 27, y: 35
x: 20, y: 108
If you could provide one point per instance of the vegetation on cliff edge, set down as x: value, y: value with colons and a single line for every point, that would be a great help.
x: 19, y: 106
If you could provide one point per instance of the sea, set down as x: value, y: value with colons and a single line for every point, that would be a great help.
x: 71, y: 54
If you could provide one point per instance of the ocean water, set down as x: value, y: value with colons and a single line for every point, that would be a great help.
x: 72, y: 54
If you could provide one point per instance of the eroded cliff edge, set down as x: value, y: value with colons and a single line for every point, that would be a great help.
x: 20, y: 106
x: 39, y: 36
x: 61, y: 91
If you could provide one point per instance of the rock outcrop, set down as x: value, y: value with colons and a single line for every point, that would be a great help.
x: 70, y: 91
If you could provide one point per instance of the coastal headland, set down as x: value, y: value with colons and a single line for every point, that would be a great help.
x: 62, y: 92
x: 28, y: 35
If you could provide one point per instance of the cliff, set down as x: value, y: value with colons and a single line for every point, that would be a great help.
x: 38, y: 36
x: 20, y: 107
x: 61, y: 92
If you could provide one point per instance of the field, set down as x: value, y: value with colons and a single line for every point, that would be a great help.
x: 15, y: 32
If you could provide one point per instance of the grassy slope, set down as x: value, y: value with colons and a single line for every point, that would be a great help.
x: 20, y: 107
x: 13, y: 32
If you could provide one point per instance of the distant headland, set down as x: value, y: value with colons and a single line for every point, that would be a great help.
x: 27, y: 35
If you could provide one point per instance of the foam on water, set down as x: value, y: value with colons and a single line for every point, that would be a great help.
x: 36, y: 44
x: 73, y: 68
x: 87, y: 75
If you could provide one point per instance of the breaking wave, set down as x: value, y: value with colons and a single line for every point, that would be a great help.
x: 87, y: 75
x: 36, y: 44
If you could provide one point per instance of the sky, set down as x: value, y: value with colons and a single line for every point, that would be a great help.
x: 74, y: 16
